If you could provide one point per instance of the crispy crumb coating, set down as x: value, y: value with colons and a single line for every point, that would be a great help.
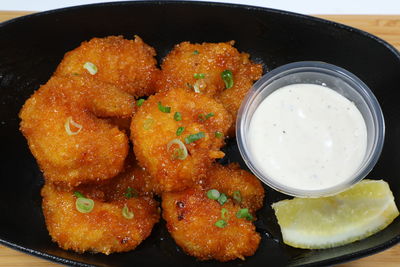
x: 133, y: 180
x: 129, y: 64
x: 152, y: 130
x: 95, y: 152
x: 229, y: 179
x: 180, y: 66
x: 191, y: 218
x: 102, y: 230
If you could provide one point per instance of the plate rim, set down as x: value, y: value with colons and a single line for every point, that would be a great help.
x: 332, y: 261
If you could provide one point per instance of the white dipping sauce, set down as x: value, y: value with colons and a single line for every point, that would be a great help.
x: 307, y: 136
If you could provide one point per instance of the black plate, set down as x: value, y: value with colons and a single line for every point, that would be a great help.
x: 32, y: 46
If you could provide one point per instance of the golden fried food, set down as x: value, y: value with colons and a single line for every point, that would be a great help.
x: 204, y: 228
x: 109, y: 227
x: 70, y: 143
x: 129, y: 64
x: 240, y: 185
x: 199, y: 67
x: 133, y: 181
x: 176, y: 136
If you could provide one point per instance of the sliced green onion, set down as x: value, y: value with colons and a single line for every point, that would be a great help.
x: 67, y: 126
x: 199, y: 75
x: 209, y: 115
x: 237, y: 196
x: 140, y: 102
x: 90, y: 67
x: 178, y: 153
x: 164, y: 109
x: 244, y: 214
x: 224, y: 213
x: 148, y: 123
x: 127, y: 213
x: 219, y: 134
x: 199, y: 85
x: 222, y: 199
x: 213, y: 194
x: 195, y: 52
x: 203, y: 117
x: 177, y: 116
x: 84, y: 205
x: 221, y: 223
x: 180, y: 130
x: 130, y: 192
x: 194, y: 137
x: 227, y: 77
x: 78, y: 194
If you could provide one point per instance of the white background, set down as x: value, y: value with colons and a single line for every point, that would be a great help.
x: 299, y: 6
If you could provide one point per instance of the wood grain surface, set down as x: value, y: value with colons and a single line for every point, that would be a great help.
x: 385, y: 27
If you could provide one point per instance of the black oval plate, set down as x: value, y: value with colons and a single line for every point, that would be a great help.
x: 32, y: 46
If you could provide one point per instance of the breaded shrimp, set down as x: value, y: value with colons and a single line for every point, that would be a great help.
x: 70, y: 143
x: 242, y: 186
x: 133, y: 181
x: 200, y: 66
x: 177, y: 135
x: 129, y: 64
x: 205, y: 229
x: 116, y: 226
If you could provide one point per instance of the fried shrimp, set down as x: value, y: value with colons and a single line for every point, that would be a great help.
x: 243, y: 187
x: 204, y: 228
x: 214, y: 69
x: 116, y: 226
x: 177, y: 135
x: 65, y: 134
x: 129, y: 64
x: 134, y: 181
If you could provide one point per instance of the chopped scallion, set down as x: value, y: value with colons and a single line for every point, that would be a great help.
x: 130, y: 193
x: 140, y: 102
x: 78, y: 194
x: 244, y: 214
x: 164, y: 109
x: 199, y: 86
x: 180, y: 152
x: 177, y: 116
x: 90, y: 67
x: 221, y: 223
x: 222, y: 199
x: 127, y: 213
x: 195, y: 52
x: 84, y: 205
x: 203, y: 117
x: 213, y: 194
x: 179, y: 131
x: 227, y: 77
x: 67, y: 126
x: 194, y: 137
x: 219, y: 134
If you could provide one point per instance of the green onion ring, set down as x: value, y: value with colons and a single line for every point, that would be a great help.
x: 183, y: 153
x: 127, y: 213
x: 84, y: 205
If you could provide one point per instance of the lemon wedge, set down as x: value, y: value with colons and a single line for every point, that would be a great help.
x: 357, y: 213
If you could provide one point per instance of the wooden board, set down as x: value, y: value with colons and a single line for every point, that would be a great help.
x: 386, y: 27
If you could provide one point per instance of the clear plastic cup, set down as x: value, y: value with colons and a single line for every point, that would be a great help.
x: 333, y: 77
